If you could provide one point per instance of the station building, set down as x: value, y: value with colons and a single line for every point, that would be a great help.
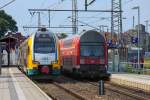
x: 9, y: 50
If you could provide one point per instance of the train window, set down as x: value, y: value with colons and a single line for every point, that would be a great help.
x: 67, y: 43
x: 92, y: 49
x: 44, y: 45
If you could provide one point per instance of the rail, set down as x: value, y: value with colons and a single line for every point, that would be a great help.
x: 70, y: 92
x: 123, y: 90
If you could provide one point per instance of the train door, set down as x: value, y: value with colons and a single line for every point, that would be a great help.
x: 68, y: 58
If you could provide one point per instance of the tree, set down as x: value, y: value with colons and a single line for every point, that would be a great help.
x: 62, y: 35
x: 7, y: 23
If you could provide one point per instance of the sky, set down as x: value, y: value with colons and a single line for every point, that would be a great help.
x: 19, y: 11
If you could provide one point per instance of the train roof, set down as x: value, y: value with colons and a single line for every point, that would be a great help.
x: 42, y: 30
x: 39, y: 31
x: 87, y: 36
x: 92, y: 36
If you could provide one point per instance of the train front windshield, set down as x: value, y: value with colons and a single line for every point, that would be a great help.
x: 92, y: 50
x: 44, y: 43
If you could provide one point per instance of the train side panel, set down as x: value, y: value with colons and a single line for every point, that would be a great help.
x: 25, y: 57
x: 69, y: 54
x: 32, y: 67
x: 57, y: 65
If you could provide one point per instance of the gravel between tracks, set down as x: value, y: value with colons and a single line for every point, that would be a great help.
x: 82, y: 88
x: 56, y: 93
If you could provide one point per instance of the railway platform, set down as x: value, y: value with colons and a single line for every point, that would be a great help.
x: 14, y: 85
x: 136, y: 81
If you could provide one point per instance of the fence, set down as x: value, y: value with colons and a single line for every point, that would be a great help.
x: 130, y: 67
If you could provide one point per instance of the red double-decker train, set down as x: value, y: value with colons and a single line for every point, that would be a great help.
x: 85, y: 54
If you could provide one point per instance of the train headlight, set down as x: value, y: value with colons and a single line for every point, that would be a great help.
x: 54, y: 62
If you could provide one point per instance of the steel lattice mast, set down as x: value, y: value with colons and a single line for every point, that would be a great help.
x: 116, y: 31
x: 116, y: 20
x: 74, y: 17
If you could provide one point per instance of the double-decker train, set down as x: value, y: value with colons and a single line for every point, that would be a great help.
x: 40, y: 53
x: 85, y: 54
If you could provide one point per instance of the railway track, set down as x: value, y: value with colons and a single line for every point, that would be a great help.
x: 64, y: 88
x: 70, y: 92
x: 132, y: 92
x: 127, y: 92
x: 57, y: 91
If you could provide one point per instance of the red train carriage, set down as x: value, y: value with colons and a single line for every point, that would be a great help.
x: 85, y: 54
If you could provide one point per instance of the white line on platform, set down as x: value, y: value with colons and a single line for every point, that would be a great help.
x: 19, y: 91
x: 47, y: 97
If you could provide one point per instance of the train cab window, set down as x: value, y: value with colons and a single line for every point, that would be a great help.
x: 67, y: 43
x: 92, y: 49
x: 44, y: 44
x: 44, y: 47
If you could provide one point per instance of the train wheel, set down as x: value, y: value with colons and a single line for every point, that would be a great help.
x: 61, y: 69
x: 73, y: 73
x: 76, y: 74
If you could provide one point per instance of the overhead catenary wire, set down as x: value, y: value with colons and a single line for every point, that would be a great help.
x: 85, y: 23
x: 96, y: 21
x: 7, y: 4
x: 127, y: 2
x: 58, y: 3
x: 54, y: 6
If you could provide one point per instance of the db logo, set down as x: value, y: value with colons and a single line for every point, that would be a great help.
x: 92, y: 61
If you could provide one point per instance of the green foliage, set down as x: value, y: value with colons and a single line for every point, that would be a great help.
x: 147, y: 62
x: 7, y: 23
x: 129, y: 68
x: 62, y: 36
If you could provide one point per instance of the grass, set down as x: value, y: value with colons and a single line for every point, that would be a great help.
x: 147, y: 60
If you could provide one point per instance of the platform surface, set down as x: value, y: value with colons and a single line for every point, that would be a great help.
x: 133, y: 80
x: 14, y: 85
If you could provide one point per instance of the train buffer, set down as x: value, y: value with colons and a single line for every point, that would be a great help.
x: 135, y: 81
x: 14, y: 85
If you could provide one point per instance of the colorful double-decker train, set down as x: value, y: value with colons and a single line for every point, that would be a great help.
x: 40, y: 53
x: 85, y: 54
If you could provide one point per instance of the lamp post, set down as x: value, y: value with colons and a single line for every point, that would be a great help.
x: 138, y: 8
x: 147, y: 39
x: 147, y: 24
